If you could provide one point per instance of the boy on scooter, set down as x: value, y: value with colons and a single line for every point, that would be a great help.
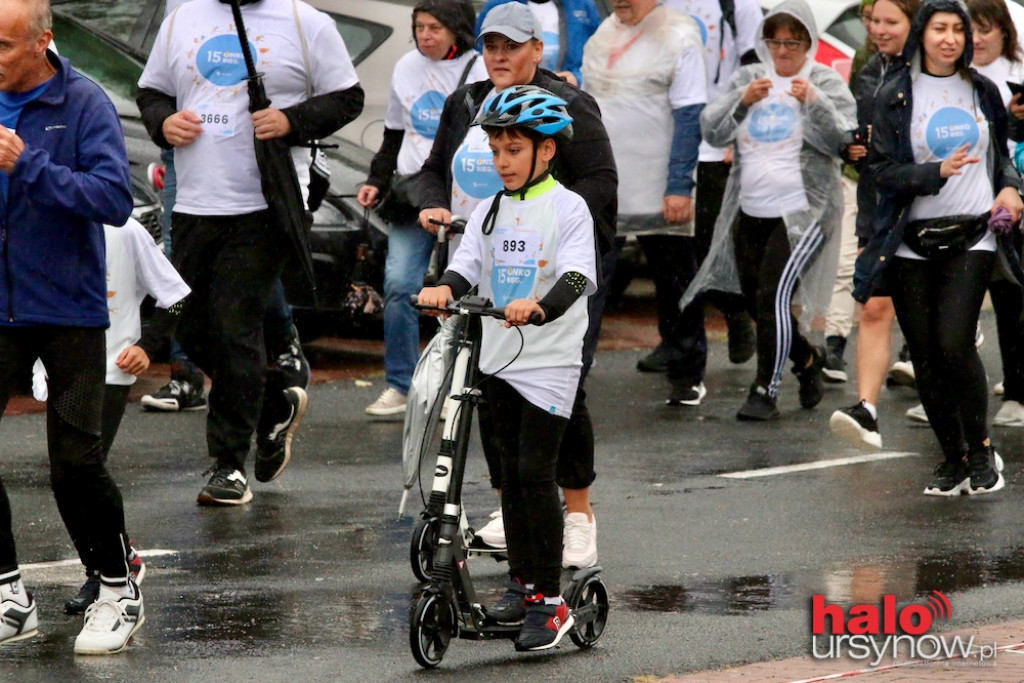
x: 530, y: 250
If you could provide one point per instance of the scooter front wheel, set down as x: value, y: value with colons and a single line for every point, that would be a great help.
x: 432, y: 625
x: 588, y: 601
x: 421, y: 549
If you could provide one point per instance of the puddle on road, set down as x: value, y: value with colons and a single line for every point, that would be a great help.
x: 865, y: 583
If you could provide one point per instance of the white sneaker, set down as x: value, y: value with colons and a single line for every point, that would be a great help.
x: 1011, y: 414
x: 493, y: 533
x: 998, y: 389
x: 917, y: 414
x: 391, y: 402
x: 579, y: 541
x: 110, y: 622
x: 902, y: 373
x: 18, y: 621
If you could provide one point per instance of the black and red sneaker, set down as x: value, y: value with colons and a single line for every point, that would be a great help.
x: 544, y: 625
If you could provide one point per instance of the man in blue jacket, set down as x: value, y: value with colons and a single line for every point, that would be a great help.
x: 63, y: 174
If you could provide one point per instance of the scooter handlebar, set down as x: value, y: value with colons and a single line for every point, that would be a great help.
x: 470, y: 305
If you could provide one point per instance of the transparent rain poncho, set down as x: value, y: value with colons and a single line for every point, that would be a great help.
x: 826, y: 117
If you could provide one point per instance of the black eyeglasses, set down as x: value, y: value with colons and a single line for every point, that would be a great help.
x: 774, y: 44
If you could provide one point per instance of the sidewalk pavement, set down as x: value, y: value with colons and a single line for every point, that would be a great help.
x: 1001, y: 644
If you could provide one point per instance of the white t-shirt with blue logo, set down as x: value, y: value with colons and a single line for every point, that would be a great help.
x: 197, y: 57
x: 769, y: 141
x: 946, y: 115
x: 473, y: 176
x: 419, y: 87
x: 534, y: 242
x: 547, y: 14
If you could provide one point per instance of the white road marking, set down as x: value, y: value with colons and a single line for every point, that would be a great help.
x: 817, y: 465
x: 152, y: 552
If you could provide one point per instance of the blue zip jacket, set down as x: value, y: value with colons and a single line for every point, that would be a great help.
x: 577, y: 21
x: 71, y: 178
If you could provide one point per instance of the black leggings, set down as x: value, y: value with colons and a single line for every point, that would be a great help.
x: 84, y: 491
x: 527, y: 439
x: 768, y: 271
x: 1008, y: 303
x: 937, y: 303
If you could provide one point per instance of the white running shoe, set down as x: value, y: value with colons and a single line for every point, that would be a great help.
x: 110, y: 622
x: 493, y: 533
x: 579, y: 541
x: 998, y: 389
x: 1011, y: 414
x: 917, y: 414
x: 902, y: 373
x: 18, y: 621
x: 391, y: 402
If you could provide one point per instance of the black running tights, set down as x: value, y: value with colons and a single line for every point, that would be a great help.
x: 937, y: 303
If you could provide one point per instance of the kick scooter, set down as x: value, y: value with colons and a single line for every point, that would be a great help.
x: 448, y: 606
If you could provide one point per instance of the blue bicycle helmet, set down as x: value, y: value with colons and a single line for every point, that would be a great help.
x: 528, y: 106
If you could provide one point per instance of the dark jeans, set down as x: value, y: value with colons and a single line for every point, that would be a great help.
x: 768, y: 271
x: 673, y: 266
x: 526, y: 439
x: 937, y: 303
x: 87, y: 497
x: 1008, y: 302
x: 712, y: 177
x: 231, y: 264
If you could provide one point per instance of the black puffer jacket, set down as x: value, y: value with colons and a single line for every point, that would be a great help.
x: 586, y: 165
x: 899, y: 180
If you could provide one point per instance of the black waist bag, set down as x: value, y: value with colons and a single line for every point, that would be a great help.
x: 944, y: 237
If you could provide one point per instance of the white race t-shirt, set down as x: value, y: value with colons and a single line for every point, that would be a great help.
x: 638, y: 75
x: 946, y: 116
x: 769, y: 141
x: 197, y: 57
x: 534, y: 242
x: 721, y: 52
x: 999, y: 71
x: 547, y: 15
x: 136, y: 267
x: 473, y: 176
x: 419, y: 87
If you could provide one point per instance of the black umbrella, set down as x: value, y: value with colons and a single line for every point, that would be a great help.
x: 277, y: 170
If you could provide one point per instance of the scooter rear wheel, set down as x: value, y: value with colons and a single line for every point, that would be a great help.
x: 589, y: 602
x: 432, y: 625
x: 421, y: 549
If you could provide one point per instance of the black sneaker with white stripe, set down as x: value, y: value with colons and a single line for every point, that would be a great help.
x: 281, y: 418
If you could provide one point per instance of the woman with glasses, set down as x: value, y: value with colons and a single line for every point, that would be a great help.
x: 459, y: 174
x: 787, y: 118
x: 946, y: 191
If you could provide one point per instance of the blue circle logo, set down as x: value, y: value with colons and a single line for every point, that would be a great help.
x: 773, y: 122
x: 949, y: 129
x: 426, y: 113
x: 220, y: 61
x: 703, y: 29
x: 475, y: 174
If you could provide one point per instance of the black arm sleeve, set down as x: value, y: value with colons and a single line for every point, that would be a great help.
x: 322, y: 115
x: 459, y: 285
x: 563, y: 295
x: 155, y: 108
x: 385, y: 161
x: 160, y: 328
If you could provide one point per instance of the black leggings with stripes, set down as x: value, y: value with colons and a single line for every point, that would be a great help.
x: 769, y: 270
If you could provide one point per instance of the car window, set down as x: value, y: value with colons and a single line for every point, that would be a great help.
x: 848, y: 28
x: 100, y: 60
x: 361, y: 37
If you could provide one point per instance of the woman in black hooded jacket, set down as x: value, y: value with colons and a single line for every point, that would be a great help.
x: 946, y: 189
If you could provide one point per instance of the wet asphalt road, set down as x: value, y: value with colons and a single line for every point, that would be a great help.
x: 311, y: 581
